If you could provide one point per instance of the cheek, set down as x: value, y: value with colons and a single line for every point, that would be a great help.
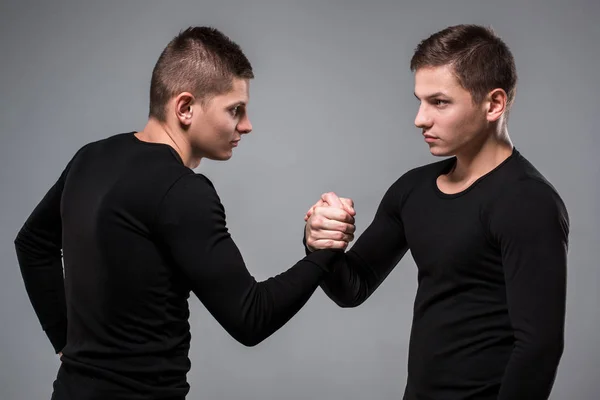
x: 226, y: 127
x: 463, y: 123
x: 451, y: 121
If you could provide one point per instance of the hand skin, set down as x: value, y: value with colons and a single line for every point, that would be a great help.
x: 330, y: 223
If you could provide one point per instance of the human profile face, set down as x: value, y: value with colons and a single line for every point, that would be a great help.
x: 451, y: 122
x: 217, y: 125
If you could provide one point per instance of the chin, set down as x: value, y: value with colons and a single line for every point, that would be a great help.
x: 221, y: 157
x: 440, y: 152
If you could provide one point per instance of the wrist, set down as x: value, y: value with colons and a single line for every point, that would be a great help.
x: 307, y: 248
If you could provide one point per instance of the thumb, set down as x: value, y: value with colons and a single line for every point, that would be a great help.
x: 332, y: 200
x: 348, y: 205
x: 319, y: 203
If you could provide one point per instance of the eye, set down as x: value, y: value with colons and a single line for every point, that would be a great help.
x: 235, y: 111
x: 440, y: 102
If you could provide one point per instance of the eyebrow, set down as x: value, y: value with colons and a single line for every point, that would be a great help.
x: 437, y: 94
x: 239, y: 103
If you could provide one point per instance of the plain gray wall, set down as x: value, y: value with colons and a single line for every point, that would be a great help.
x: 332, y: 107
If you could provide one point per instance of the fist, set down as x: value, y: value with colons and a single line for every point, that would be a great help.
x: 330, y: 223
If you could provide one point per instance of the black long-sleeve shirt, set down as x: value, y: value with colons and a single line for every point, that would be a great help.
x: 138, y: 231
x: 489, y: 311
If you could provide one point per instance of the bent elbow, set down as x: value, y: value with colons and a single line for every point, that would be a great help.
x: 552, y: 344
x: 248, y: 339
x: 345, y: 297
x: 555, y: 348
x: 348, y: 302
x: 548, y: 350
x: 19, y: 240
x: 250, y: 342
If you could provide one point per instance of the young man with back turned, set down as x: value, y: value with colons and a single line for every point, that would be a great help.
x: 139, y: 230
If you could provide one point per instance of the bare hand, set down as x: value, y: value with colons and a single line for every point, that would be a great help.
x: 330, y: 223
x: 346, y: 204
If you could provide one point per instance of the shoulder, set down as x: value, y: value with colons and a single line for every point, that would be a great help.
x: 191, y: 190
x: 396, y: 195
x: 528, y: 192
x: 422, y: 173
x: 113, y: 140
x: 418, y: 176
x: 109, y: 144
x: 523, y: 187
x: 192, y: 208
x: 195, y: 183
x: 528, y: 207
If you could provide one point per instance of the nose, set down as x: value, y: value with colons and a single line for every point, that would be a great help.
x: 422, y: 119
x: 244, y: 126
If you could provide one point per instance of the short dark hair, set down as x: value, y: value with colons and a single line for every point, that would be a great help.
x: 480, y: 59
x: 200, y: 60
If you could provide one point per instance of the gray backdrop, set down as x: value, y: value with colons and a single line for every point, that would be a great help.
x: 332, y: 107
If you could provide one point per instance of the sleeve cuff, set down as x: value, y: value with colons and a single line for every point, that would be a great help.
x: 325, y: 259
x: 306, y: 250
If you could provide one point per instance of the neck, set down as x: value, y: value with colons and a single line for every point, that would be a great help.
x: 160, y: 132
x: 481, y: 158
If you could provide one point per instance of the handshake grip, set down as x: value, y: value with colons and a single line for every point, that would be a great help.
x: 330, y: 223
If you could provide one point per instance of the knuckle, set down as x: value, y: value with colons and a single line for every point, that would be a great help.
x: 319, y: 220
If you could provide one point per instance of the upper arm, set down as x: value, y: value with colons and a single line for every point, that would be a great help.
x: 42, y: 231
x: 383, y: 243
x: 192, y: 229
x: 43, y: 228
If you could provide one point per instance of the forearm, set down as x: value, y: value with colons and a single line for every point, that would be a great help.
x: 270, y: 304
x: 41, y: 268
x: 345, y: 284
x: 351, y: 282
x: 538, y: 317
x: 531, y: 371
x: 357, y: 273
x: 251, y: 311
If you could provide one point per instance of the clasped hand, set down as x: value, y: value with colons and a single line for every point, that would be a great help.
x: 330, y: 223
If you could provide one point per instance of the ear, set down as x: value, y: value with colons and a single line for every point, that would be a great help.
x: 185, y: 106
x: 496, y: 104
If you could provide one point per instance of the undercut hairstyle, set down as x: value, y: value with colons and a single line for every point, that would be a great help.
x: 200, y: 60
x: 480, y: 60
